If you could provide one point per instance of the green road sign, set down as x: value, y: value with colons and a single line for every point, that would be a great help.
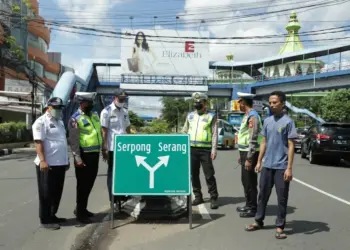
x: 152, y: 165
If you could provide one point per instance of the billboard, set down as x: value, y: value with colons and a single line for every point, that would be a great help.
x: 164, y: 52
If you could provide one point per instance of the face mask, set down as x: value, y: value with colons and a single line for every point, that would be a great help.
x: 88, y: 109
x: 56, y: 113
x: 198, y: 106
x: 119, y: 105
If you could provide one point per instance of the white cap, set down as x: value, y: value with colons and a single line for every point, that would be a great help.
x: 85, y: 96
x: 245, y: 95
x: 198, y: 96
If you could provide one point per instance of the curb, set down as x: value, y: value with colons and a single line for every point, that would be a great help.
x: 6, y: 151
x: 12, y: 151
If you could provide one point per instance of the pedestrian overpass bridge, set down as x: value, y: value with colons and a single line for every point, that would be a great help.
x: 87, y: 79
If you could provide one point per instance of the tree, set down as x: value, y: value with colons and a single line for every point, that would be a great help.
x: 174, y: 107
x: 310, y: 103
x: 135, y: 120
x: 336, y: 105
x: 156, y: 127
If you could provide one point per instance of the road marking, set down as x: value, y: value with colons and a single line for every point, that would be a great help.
x: 203, y: 210
x: 322, y: 192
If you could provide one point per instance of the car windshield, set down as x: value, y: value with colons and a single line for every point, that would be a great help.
x: 301, y: 130
x: 343, y: 129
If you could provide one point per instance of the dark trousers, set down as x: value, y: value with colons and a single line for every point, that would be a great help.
x: 86, y: 177
x: 249, y: 180
x: 50, y: 188
x: 269, y: 178
x: 109, y: 179
x: 203, y: 156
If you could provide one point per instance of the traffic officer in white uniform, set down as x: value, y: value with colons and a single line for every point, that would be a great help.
x: 51, y: 162
x: 114, y: 121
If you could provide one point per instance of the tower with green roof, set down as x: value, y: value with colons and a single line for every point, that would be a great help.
x: 293, y: 44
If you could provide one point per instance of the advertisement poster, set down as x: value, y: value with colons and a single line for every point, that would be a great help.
x: 164, y: 52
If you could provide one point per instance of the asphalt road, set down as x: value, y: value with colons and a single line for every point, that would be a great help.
x: 19, y: 222
x: 318, y: 216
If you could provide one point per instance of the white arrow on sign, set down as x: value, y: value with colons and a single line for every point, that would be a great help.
x: 141, y: 160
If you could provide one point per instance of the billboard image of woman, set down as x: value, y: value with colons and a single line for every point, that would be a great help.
x: 143, y: 58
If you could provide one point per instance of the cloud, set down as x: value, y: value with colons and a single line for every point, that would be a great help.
x: 235, y: 25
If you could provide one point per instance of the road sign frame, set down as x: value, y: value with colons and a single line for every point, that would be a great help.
x: 188, y: 192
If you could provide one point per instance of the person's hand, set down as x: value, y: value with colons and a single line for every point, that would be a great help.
x: 44, y: 166
x: 248, y: 165
x: 213, y: 155
x: 105, y: 155
x: 288, y: 175
x: 258, y: 167
x: 80, y: 164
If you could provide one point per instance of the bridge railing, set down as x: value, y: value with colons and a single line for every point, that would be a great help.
x: 157, y: 79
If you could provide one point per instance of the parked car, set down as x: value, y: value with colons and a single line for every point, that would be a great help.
x: 327, y: 140
x: 227, y: 134
x: 301, y: 132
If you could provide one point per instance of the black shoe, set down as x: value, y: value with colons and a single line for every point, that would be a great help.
x: 84, y: 220
x: 85, y: 213
x: 242, y: 209
x: 51, y: 226
x: 197, y: 201
x: 214, y: 204
x: 55, y: 219
x: 89, y: 214
x: 248, y: 214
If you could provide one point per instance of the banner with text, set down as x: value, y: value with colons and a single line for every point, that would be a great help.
x: 164, y: 52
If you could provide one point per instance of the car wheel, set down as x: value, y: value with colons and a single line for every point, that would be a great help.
x: 312, y: 158
x: 302, y: 153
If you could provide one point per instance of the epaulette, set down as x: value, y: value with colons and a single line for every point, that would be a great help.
x: 108, y: 107
x: 76, y: 115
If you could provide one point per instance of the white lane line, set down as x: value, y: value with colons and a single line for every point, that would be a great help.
x: 322, y: 192
x: 203, y: 210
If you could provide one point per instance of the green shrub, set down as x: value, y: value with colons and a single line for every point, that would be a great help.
x: 11, y: 132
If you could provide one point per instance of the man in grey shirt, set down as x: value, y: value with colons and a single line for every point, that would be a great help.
x: 278, y: 149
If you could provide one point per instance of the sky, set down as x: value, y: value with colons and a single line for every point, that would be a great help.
x: 223, y: 18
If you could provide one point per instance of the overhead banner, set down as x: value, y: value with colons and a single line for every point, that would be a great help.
x: 164, y: 52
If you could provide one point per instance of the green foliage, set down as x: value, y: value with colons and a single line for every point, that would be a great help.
x: 172, y: 107
x: 310, y: 103
x: 15, y: 49
x: 11, y: 132
x: 135, y: 120
x: 16, y: 8
x: 336, y: 105
x: 156, y: 127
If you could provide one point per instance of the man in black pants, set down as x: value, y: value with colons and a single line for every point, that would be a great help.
x: 51, y: 162
x: 201, y: 125
x: 248, y: 145
x: 114, y: 121
x: 85, y: 139
x: 278, y: 149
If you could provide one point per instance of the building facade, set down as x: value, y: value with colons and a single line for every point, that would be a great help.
x: 33, y: 36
